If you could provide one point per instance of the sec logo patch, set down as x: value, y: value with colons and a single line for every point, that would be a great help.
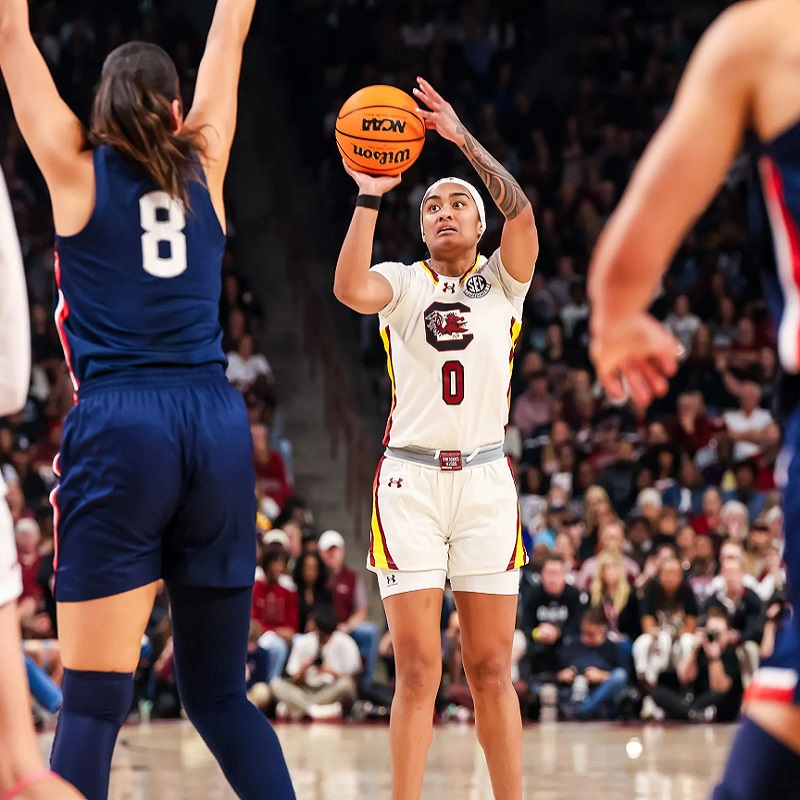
x: 476, y: 287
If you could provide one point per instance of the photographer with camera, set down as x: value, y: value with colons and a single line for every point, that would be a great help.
x: 709, y: 674
x: 322, y: 671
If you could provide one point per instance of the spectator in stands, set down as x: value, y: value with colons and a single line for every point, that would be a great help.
x: 322, y: 672
x: 638, y: 538
x: 612, y: 540
x: 758, y: 546
x: 709, y: 674
x: 742, y: 606
x: 350, y: 602
x: 550, y: 610
x: 601, y: 664
x: 686, y: 542
x: 704, y: 567
x: 611, y: 592
x: 276, y: 610
x: 747, y: 425
x: 709, y: 520
x: 533, y: 407
x: 311, y: 579
x: 271, y: 477
x: 669, y: 618
x: 734, y: 521
x: 746, y: 491
x: 682, y: 322
x: 245, y: 366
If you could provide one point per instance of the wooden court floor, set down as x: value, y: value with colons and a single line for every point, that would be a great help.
x: 602, y: 761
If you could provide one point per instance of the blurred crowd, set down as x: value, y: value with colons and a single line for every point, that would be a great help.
x: 656, y: 579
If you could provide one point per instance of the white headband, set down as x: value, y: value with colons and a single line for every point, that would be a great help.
x: 474, y: 194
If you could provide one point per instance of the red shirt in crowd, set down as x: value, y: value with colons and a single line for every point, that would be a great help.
x: 348, y: 593
x: 271, y: 478
x: 275, y: 606
x: 30, y: 584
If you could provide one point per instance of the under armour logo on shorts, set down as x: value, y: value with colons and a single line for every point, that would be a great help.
x: 397, y: 482
x: 449, y: 287
x: 391, y: 580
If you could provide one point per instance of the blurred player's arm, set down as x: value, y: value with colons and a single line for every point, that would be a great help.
x: 215, y: 103
x: 15, y: 339
x: 679, y: 173
x: 53, y: 133
x: 354, y: 284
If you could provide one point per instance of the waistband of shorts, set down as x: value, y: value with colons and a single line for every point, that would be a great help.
x: 434, y: 458
x: 154, y: 378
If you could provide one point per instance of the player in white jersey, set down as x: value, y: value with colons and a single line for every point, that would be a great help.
x: 22, y: 774
x: 445, y: 503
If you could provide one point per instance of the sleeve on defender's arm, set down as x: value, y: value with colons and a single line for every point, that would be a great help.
x: 15, y: 337
x: 516, y: 291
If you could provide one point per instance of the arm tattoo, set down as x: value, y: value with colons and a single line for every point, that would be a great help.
x: 505, y: 191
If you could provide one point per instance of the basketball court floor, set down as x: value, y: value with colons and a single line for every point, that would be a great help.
x: 168, y: 761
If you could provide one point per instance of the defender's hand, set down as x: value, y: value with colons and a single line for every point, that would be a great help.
x: 634, y: 358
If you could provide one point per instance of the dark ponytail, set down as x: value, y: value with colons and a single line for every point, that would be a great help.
x: 132, y: 112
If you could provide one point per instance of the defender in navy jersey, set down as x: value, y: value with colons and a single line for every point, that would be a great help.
x: 742, y: 81
x: 155, y: 470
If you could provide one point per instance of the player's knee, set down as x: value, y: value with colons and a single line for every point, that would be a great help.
x: 103, y: 695
x: 418, y: 677
x: 488, y: 676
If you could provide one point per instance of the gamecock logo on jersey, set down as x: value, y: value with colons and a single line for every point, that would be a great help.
x: 446, y: 326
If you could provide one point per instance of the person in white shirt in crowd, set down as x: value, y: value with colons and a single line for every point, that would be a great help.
x: 245, y: 366
x: 22, y: 773
x: 748, y: 425
x: 322, y: 671
x: 734, y: 521
x: 682, y: 322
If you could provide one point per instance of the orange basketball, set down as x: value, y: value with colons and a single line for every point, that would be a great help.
x: 378, y: 131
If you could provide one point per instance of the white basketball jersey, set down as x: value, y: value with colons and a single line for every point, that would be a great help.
x: 450, y: 349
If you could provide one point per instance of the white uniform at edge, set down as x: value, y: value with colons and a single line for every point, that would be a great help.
x: 450, y: 345
x: 15, y: 364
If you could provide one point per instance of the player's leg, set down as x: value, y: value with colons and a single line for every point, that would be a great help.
x: 210, y: 630
x: 119, y: 486
x: 487, y: 624
x: 209, y: 556
x: 764, y: 762
x: 486, y: 551
x: 101, y: 640
x: 414, y: 619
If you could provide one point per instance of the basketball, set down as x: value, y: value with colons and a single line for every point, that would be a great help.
x: 378, y: 131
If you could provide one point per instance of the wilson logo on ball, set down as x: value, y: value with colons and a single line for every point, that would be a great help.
x: 375, y: 124
x: 382, y: 156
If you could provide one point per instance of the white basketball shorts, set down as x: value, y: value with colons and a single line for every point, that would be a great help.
x: 428, y: 525
x: 10, y: 574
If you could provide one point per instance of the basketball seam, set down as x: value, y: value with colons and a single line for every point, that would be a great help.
x: 380, y: 141
x: 369, y: 108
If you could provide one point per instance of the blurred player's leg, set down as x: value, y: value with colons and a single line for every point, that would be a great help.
x: 414, y: 622
x: 764, y: 762
x: 210, y: 630
x: 487, y: 634
x: 100, y: 645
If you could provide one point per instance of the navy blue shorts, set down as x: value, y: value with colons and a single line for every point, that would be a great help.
x: 155, y: 481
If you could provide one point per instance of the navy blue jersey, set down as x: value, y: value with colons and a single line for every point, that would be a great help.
x: 139, y: 286
x: 774, y: 224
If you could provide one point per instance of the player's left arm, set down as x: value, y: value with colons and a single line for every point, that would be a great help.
x: 215, y: 103
x: 679, y: 173
x: 519, y: 246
